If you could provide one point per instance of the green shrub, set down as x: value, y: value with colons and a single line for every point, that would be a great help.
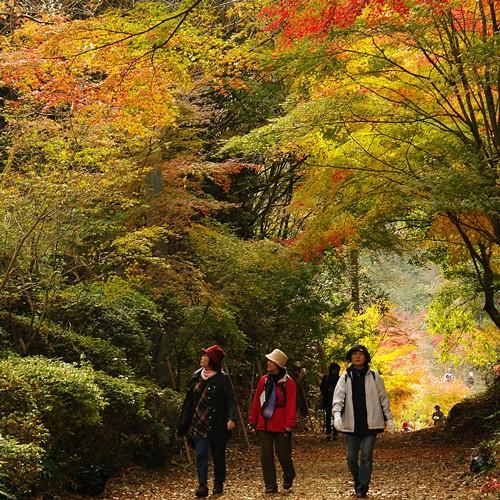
x: 158, y: 436
x: 54, y: 341
x: 56, y: 418
x: 485, y: 456
x: 20, y: 466
x: 7, y: 344
x: 27, y: 427
x: 74, y: 347
x: 47, y: 409
x: 63, y: 398
x: 139, y: 421
x: 115, y: 311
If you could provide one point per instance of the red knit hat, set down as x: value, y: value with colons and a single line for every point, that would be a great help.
x: 215, y: 353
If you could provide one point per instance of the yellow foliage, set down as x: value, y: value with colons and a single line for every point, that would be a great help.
x: 427, y: 392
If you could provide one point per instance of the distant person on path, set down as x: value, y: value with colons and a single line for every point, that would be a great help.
x: 469, y: 379
x: 361, y: 410
x: 207, y: 418
x: 327, y: 387
x: 273, y: 414
x: 448, y: 376
x: 438, y: 416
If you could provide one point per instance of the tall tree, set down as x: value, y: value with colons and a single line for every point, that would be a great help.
x: 404, y: 118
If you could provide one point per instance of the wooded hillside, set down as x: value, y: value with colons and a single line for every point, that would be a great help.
x: 253, y: 173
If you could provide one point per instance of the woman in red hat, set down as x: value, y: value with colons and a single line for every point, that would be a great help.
x: 207, y: 418
x: 273, y: 413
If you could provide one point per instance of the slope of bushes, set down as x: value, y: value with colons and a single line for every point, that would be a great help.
x: 56, y: 417
x: 477, y: 416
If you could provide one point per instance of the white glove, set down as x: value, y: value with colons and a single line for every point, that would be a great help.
x: 337, y: 421
x: 390, y: 426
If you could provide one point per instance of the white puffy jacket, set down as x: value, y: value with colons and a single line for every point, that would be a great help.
x: 377, y: 402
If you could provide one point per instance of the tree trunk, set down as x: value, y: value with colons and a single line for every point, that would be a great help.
x: 481, y: 259
x: 489, y: 288
x: 354, y: 276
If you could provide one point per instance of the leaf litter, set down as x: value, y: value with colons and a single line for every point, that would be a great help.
x: 414, y: 466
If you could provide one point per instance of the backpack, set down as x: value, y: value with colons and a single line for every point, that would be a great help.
x: 371, y: 371
x: 375, y: 380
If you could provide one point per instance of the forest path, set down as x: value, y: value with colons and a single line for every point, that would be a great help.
x: 406, y: 466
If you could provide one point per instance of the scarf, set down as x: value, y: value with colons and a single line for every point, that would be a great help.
x: 359, y: 400
x: 270, y: 401
x: 206, y: 374
x: 358, y: 372
x: 200, y: 424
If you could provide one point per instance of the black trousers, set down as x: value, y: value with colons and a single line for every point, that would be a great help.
x: 330, y: 430
x: 328, y: 420
x: 281, y: 443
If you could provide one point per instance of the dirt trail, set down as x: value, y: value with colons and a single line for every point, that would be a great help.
x: 413, y: 466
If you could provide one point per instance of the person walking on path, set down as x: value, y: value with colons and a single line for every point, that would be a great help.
x: 438, y: 416
x: 208, y: 416
x: 360, y: 406
x: 273, y: 413
x: 327, y: 387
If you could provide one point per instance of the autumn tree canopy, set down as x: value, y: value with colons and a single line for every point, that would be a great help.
x: 181, y: 173
x: 396, y: 109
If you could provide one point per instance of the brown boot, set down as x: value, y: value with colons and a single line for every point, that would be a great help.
x: 201, y: 491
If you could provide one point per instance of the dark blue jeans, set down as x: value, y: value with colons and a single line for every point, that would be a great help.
x: 218, y: 448
x: 360, y: 460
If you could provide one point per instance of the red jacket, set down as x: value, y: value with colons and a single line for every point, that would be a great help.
x: 285, y: 410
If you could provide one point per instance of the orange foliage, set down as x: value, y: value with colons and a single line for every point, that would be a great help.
x: 52, y: 69
x: 311, y: 245
x: 475, y: 225
x: 339, y: 175
x: 182, y: 199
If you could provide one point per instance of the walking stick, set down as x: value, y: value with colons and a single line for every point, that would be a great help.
x: 168, y: 364
x: 251, y: 387
x: 188, y: 451
x: 259, y: 367
x: 240, y: 417
x: 307, y: 408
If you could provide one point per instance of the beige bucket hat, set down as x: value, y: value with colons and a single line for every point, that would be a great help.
x: 278, y: 357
